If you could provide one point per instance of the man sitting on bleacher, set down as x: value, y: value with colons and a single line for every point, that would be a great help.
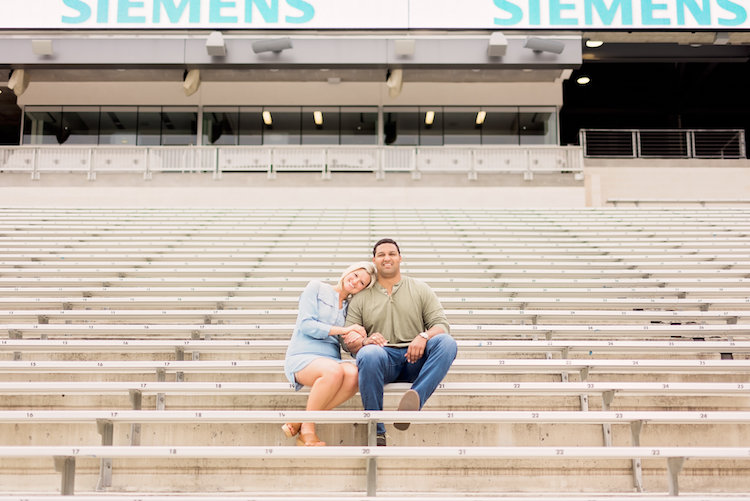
x: 408, y: 336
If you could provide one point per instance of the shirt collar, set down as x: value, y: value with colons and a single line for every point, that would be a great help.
x: 385, y: 291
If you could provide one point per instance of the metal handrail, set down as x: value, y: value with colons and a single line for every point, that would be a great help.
x: 663, y: 143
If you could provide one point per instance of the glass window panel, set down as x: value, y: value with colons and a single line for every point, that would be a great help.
x: 285, y: 126
x: 460, y: 126
x: 251, y: 126
x: 42, y: 124
x: 431, y: 126
x: 359, y: 126
x: 149, y: 126
x: 401, y: 126
x: 118, y: 125
x: 221, y: 126
x: 500, y: 126
x: 538, y: 125
x: 179, y: 126
x: 325, y: 130
x: 80, y: 125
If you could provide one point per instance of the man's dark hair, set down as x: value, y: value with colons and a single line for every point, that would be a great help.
x: 385, y: 241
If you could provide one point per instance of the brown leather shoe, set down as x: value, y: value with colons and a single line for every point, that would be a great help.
x: 409, y: 402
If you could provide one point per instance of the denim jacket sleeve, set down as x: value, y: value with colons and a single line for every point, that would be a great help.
x: 316, y: 316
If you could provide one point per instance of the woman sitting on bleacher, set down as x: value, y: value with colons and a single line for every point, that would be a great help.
x: 313, y: 357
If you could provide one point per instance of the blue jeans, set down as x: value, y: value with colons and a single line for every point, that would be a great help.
x: 379, y: 366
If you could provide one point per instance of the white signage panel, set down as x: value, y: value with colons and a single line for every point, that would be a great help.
x: 581, y: 14
x: 377, y: 14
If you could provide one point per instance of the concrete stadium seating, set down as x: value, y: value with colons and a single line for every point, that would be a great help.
x: 141, y: 355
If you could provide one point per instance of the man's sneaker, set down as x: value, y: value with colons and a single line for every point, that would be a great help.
x: 381, y: 440
x: 409, y: 402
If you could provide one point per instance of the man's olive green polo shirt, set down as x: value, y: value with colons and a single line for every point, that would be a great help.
x: 412, y: 308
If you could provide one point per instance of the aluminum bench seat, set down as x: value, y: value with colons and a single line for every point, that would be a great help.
x: 561, y: 348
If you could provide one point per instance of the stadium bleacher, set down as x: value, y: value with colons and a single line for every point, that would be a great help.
x: 603, y: 354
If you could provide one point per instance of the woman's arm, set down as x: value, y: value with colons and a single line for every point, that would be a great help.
x: 308, y: 316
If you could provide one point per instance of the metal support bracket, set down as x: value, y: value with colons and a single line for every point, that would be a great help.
x: 106, y: 430
x: 15, y: 334
x: 372, y: 463
x: 674, y: 466
x: 179, y: 354
x: 67, y: 466
x: 161, y: 398
x: 635, y: 441
x: 584, y: 403
x: 136, y: 400
x: 607, y: 398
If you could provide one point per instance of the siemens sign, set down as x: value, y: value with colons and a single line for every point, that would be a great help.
x: 377, y: 14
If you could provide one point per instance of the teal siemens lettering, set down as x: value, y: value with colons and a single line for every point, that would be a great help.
x: 168, y: 12
x: 619, y: 13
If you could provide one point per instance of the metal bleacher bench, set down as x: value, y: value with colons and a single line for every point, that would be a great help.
x: 584, y: 366
x: 564, y: 348
x: 457, y: 330
x: 610, y: 389
x: 729, y: 316
x: 65, y: 456
x: 339, y: 497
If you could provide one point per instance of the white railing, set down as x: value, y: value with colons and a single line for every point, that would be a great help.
x: 472, y: 161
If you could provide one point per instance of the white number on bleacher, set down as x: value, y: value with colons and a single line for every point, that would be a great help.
x: 365, y: 451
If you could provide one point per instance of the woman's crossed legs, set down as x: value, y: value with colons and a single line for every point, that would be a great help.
x: 331, y: 384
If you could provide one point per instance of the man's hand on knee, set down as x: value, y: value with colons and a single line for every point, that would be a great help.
x: 416, y: 348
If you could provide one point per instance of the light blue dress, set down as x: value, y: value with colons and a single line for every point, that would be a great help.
x: 318, y: 312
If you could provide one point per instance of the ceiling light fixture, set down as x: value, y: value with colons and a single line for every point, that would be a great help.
x: 267, y: 118
x: 429, y: 117
x: 593, y: 44
x: 583, y: 80
x: 318, y: 117
x: 481, y: 115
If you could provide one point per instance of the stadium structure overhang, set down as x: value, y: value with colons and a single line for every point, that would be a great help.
x: 433, y: 56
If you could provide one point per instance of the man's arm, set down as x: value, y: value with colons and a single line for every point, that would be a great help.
x: 434, y: 320
x: 433, y: 314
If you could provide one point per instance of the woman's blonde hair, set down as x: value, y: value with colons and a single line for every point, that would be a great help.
x: 361, y: 265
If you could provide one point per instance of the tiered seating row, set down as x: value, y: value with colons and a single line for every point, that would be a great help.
x: 84, y: 291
